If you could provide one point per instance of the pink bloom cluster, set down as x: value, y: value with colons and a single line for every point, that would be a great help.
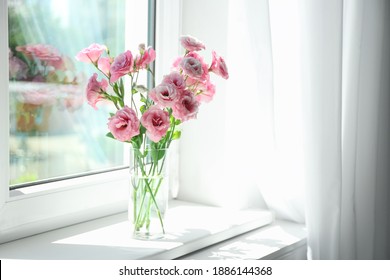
x: 189, y: 83
x: 179, y: 95
x: 123, y: 64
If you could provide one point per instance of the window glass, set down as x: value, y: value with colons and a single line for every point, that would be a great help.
x: 53, y: 132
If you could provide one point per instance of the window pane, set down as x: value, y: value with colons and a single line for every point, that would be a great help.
x: 53, y: 132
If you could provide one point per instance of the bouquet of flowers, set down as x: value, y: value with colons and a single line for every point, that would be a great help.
x: 150, y: 119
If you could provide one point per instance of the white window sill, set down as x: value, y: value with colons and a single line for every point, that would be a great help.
x: 279, y: 240
x: 190, y: 227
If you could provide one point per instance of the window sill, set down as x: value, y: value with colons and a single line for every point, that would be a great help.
x: 191, y: 227
x: 277, y: 241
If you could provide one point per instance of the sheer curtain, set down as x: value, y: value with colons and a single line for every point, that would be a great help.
x: 341, y: 89
x: 322, y: 115
x: 346, y: 94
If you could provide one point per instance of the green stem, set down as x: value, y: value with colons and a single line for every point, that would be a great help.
x: 133, y: 105
x: 149, y: 189
x: 168, y: 144
x: 135, y: 205
x: 139, y: 223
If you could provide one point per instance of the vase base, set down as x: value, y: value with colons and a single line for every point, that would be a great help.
x: 148, y: 236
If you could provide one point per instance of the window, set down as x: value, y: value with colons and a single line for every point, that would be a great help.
x: 52, y: 133
x: 44, y: 120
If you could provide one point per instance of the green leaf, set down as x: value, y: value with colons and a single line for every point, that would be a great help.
x: 122, y: 103
x: 109, y: 135
x: 172, y: 119
x: 114, y: 99
x: 142, y: 109
x: 142, y: 129
x: 176, y: 135
x: 121, y: 88
x: 136, y: 141
x: 133, y: 91
x: 115, y: 88
x: 157, y: 155
x: 111, y: 114
x: 143, y: 99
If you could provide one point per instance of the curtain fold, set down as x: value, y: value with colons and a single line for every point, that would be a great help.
x: 346, y: 110
x: 322, y: 80
x: 280, y: 180
x: 330, y: 124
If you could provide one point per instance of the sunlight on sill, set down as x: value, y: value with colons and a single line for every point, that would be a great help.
x: 189, y: 227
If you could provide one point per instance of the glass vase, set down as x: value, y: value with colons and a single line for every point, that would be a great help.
x: 149, y: 189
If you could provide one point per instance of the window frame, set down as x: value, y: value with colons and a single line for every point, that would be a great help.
x: 61, y: 203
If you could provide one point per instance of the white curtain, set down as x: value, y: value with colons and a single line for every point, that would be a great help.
x: 340, y: 63
x: 323, y: 113
x: 346, y: 94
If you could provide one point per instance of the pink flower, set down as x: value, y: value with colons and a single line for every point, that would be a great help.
x: 104, y: 65
x: 176, y: 63
x: 57, y: 64
x: 40, y: 51
x: 145, y: 58
x: 124, y: 125
x: 156, y: 122
x: 44, y: 52
x: 95, y: 90
x: 39, y: 96
x: 121, y: 66
x: 187, y: 106
x: 165, y: 95
x: 191, y: 43
x: 175, y: 79
x: 92, y: 53
x: 207, y: 92
x: 63, y: 64
x: 17, y: 68
x: 22, y: 49
x: 194, y: 66
x: 218, y: 66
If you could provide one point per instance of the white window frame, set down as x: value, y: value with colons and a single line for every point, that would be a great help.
x: 71, y: 201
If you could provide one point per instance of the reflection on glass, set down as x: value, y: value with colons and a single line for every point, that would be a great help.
x: 53, y: 133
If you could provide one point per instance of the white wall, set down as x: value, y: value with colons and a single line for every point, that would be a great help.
x: 214, y: 149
